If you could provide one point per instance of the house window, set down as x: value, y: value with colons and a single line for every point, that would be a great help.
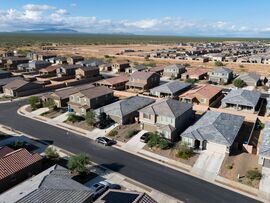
x: 165, y: 134
x: 146, y: 116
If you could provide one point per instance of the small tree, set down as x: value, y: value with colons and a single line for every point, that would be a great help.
x: 90, y: 117
x: 112, y: 133
x: 34, y: 102
x: 51, y: 153
x: 154, y: 139
x: 254, y: 174
x: 78, y: 163
x: 184, y: 152
x: 49, y: 103
x: 218, y: 63
x: 239, y: 83
x: 192, y: 81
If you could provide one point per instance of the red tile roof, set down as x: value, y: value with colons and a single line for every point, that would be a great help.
x: 196, y: 72
x: 15, y: 161
x: 4, y: 151
x: 206, y: 91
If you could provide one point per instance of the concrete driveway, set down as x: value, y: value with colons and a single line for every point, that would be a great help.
x: 208, y: 164
x: 134, y: 144
x: 264, y: 186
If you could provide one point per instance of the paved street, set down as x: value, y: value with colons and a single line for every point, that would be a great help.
x: 179, y: 185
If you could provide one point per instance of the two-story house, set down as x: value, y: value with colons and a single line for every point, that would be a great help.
x: 74, y: 59
x: 120, y: 66
x: 90, y: 98
x: 36, y: 65
x: 67, y: 70
x: 143, y: 80
x: 169, y: 117
x: 220, y: 75
x: 174, y: 70
x: 87, y: 72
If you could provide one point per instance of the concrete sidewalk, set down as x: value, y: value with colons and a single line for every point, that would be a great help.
x: 134, y: 144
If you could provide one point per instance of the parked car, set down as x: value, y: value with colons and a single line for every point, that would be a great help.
x: 105, y: 141
x: 145, y: 137
x: 99, y: 188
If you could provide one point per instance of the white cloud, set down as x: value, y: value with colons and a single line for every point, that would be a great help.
x: 35, y: 16
x: 73, y: 4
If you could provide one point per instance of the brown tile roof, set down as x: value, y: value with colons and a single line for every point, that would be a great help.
x: 15, y: 84
x: 156, y: 69
x: 15, y: 161
x: 5, y: 150
x: 207, y: 91
x: 96, y: 92
x: 50, y: 68
x: 122, y: 62
x: 65, y: 93
x: 114, y: 80
x: 142, y: 75
x: 196, y: 72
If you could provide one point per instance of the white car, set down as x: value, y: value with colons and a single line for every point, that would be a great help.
x: 99, y: 188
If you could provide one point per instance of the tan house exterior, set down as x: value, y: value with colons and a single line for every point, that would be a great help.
x: 201, y: 94
x: 115, y: 83
x: 120, y: 66
x: 87, y: 72
x: 74, y: 59
x: 91, y: 98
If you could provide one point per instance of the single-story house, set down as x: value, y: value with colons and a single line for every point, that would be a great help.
x: 55, y: 184
x: 169, y: 117
x: 115, y: 83
x: 16, y: 166
x: 195, y: 73
x: 242, y: 100
x: 170, y: 89
x: 214, y: 131
x: 5, y: 81
x: 201, y: 94
x: 264, y: 148
x: 251, y: 79
x: 125, y: 111
x: 143, y: 80
x: 20, y: 87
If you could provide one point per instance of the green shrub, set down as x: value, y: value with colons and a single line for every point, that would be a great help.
x: 51, y: 153
x: 49, y: 103
x: 184, y: 152
x: 254, y: 174
x: 131, y: 133
x: 164, y: 144
x: 74, y: 118
x: 90, y: 118
x: 113, y: 133
x: 218, y: 63
x: 78, y: 163
x: 239, y: 83
x: 192, y: 81
x: 154, y: 139
x: 17, y: 145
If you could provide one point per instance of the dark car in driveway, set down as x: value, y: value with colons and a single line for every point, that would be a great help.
x: 145, y: 137
x: 105, y: 141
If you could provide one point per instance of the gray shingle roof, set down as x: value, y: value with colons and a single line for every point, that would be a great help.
x: 222, y: 70
x: 125, y: 107
x: 250, y: 77
x: 58, y: 187
x: 243, y: 97
x: 174, y: 66
x: 217, y: 127
x: 264, y: 149
x: 167, y: 107
x: 171, y: 87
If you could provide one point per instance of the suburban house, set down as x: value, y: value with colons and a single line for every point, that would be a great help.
x: 91, y: 98
x: 133, y: 69
x: 143, y: 80
x: 159, y: 70
x: 20, y: 87
x: 16, y: 166
x: 174, y: 70
x: 170, y: 89
x: 43, y: 56
x: 87, y: 72
x: 120, y: 66
x: 242, y: 100
x: 105, y: 67
x: 52, y: 185
x: 169, y: 117
x: 125, y: 111
x: 58, y: 60
x: 92, y: 62
x: 251, y: 79
x: 61, y: 97
x: 201, y: 94
x: 74, y: 59
x: 112, y: 195
x: 115, y: 83
x: 5, y: 81
x: 67, y: 70
x: 264, y: 148
x: 36, y: 65
x: 214, y: 131
x: 220, y: 75
x: 197, y: 74
x: 4, y: 74
x: 49, y: 71
x: 13, y: 62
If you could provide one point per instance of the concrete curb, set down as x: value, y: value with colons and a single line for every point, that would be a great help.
x: 180, y: 169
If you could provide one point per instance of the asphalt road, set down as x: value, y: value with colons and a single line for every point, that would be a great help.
x: 181, y: 186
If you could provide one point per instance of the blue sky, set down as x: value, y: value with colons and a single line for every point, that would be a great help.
x: 245, y: 18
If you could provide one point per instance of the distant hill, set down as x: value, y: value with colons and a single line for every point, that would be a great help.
x: 49, y: 30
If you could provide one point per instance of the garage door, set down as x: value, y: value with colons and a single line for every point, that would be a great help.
x: 213, y: 147
x: 266, y: 163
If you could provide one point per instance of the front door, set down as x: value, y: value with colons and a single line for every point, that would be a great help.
x: 197, y: 144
